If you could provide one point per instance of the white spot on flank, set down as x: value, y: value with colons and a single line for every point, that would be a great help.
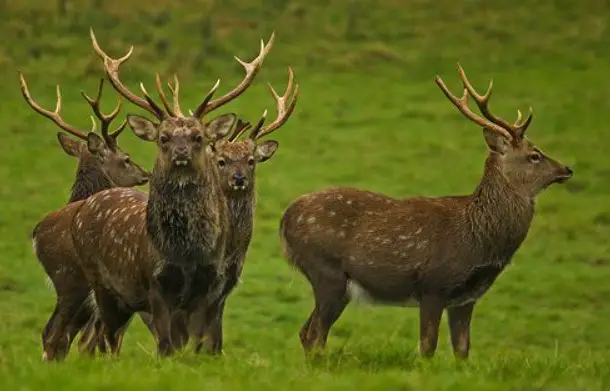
x: 331, y: 213
x: 339, y: 197
x: 341, y: 234
x: 311, y: 219
x: 349, y: 202
x: 300, y: 218
x: 402, y: 237
x: 418, y: 231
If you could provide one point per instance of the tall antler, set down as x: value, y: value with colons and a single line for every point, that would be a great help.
x: 251, y: 68
x: 54, y: 116
x: 285, y: 106
x: 462, y: 106
x: 482, y: 101
x: 105, y: 119
x: 111, y: 66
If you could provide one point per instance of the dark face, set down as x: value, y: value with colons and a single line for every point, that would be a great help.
x: 115, y: 163
x: 181, y: 140
x: 236, y: 162
x: 526, y: 166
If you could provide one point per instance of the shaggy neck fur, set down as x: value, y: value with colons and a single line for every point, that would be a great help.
x: 90, y: 179
x: 184, y: 218
x: 241, y: 220
x: 499, y: 214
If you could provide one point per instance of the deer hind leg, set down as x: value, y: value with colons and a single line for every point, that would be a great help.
x: 330, y: 291
x: 114, y: 319
x: 459, y: 325
x: 213, y: 336
x: 430, y: 312
x: 59, y: 331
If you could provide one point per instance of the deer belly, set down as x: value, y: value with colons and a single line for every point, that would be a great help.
x: 359, y: 294
x: 476, y: 283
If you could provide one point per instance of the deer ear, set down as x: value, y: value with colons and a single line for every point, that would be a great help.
x: 264, y: 151
x: 495, y: 142
x: 95, y: 144
x: 142, y: 127
x: 220, y: 126
x: 69, y: 145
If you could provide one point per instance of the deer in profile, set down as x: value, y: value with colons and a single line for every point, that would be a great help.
x: 164, y: 252
x: 101, y: 165
x: 434, y: 253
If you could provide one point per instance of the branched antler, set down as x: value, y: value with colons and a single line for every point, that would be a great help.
x: 105, y: 119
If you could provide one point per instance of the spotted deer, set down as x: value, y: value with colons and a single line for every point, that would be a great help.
x: 101, y: 165
x: 162, y: 253
x: 435, y: 253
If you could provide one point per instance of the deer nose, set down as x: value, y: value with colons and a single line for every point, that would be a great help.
x: 239, y: 179
x: 181, y: 152
x: 569, y: 171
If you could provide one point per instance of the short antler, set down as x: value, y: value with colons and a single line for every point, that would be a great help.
x: 251, y: 68
x: 111, y: 66
x: 240, y: 128
x: 105, y: 119
x: 285, y: 106
x: 55, y: 116
x: 482, y: 101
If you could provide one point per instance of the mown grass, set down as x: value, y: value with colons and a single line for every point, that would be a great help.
x: 369, y: 115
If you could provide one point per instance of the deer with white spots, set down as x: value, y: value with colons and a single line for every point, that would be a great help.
x: 434, y: 253
x: 101, y: 165
x: 164, y: 253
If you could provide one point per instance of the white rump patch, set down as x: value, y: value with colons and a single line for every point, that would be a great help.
x: 358, y: 294
x: 35, y: 247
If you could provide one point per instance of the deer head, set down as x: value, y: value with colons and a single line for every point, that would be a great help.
x: 521, y: 162
x: 182, y: 140
x: 237, y: 159
x: 93, y: 150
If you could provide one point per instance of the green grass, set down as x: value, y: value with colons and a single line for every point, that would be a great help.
x: 369, y: 115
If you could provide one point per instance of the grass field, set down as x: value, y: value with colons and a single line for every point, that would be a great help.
x: 369, y: 115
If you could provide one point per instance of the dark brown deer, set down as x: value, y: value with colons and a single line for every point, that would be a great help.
x: 430, y: 252
x: 237, y: 160
x: 101, y: 165
x: 163, y: 253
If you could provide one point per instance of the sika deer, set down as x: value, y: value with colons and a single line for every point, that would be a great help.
x: 237, y: 160
x: 431, y: 252
x: 164, y: 253
x: 101, y: 165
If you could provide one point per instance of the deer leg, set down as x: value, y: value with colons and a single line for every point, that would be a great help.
x: 459, y: 325
x: 89, y: 337
x: 161, y: 319
x: 56, y: 335
x: 114, y: 319
x: 213, y: 334
x: 430, y: 312
x: 200, y: 323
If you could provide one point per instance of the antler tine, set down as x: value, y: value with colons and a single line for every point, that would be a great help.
x: 105, y: 119
x: 251, y: 68
x: 482, y: 102
x: 284, y: 110
x: 240, y: 128
x: 462, y: 105
x: 111, y: 66
x: 254, y: 134
x: 175, y: 89
x: 54, y: 116
x: 521, y: 127
x: 163, y: 97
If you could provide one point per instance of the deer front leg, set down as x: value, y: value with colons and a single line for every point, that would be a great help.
x: 161, y: 319
x: 459, y: 325
x: 213, y: 337
x: 430, y: 312
x: 201, y: 321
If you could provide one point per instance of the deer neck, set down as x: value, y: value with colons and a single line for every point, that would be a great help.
x: 90, y: 179
x: 185, y: 218
x: 241, y: 218
x: 499, y: 213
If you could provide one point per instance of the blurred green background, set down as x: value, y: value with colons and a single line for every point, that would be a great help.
x: 369, y: 115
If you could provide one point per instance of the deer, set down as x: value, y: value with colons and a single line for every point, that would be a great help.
x: 160, y: 253
x: 237, y: 161
x: 102, y: 164
x: 434, y: 253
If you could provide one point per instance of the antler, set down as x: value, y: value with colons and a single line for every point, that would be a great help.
x: 462, y: 106
x: 54, y: 116
x: 240, y: 128
x: 111, y: 66
x: 251, y: 68
x: 482, y: 101
x: 285, y: 106
x: 105, y: 119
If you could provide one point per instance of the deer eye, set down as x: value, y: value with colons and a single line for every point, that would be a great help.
x: 221, y: 163
x: 534, y: 157
x: 163, y: 138
x: 198, y: 138
x: 251, y: 161
x: 126, y: 160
